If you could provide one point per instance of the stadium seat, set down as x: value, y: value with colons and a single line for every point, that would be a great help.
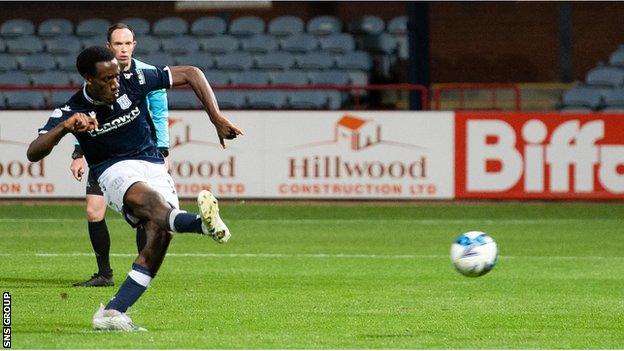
x: 14, y: 78
x: 356, y: 60
x: 382, y: 43
x: 397, y: 25
x: 220, y: 44
x: 140, y: 26
x: 59, y: 97
x: 183, y: 44
x: 16, y: 28
x: 54, y: 78
x: 2, y: 45
x: 367, y: 25
x: 613, y: 109
x: 183, y: 100
x: 146, y: 45
x: 605, y: 76
x: 259, y: 43
x: 8, y: 62
x: 251, y: 77
x: 98, y: 40
x: 158, y: 59
x: 307, y: 99
x: 63, y: 45
x: 76, y: 79
x: 335, y: 77
x: 55, y: 27
x: 170, y: 27
x: 93, y: 27
x: 235, y: 61
x: 614, y: 97
x: 617, y: 57
x: 198, y: 59
x: 37, y: 62
x: 289, y: 77
x: 2, y: 101
x: 286, y: 25
x: 208, y: 26
x: 300, y: 43
x: 324, y: 25
x: 230, y: 99
x: 315, y: 60
x: 247, y: 26
x: 279, y: 60
x: 25, y: 100
x: 24, y: 45
x: 358, y: 77
x: 266, y: 99
x: 583, y: 96
x: 337, y: 43
x: 66, y: 63
x: 216, y: 77
x: 575, y: 109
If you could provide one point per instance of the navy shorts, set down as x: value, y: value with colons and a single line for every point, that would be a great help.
x: 93, y: 187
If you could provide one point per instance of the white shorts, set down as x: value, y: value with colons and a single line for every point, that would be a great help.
x: 118, y: 178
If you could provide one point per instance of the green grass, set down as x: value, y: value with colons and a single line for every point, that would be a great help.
x: 331, y: 277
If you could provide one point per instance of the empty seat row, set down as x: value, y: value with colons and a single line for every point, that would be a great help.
x: 593, y: 98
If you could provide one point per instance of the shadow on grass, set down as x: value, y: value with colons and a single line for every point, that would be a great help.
x: 12, y: 282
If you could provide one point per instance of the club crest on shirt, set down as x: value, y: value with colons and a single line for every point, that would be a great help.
x: 124, y: 102
x: 127, y: 75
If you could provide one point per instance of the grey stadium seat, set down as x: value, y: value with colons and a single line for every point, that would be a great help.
x: 183, y: 99
x: 2, y: 45
x: 382, y: 43
x: 236, y: 61
x: 337, y: 43
x: 59, y: 97
x: 614, y: 97
x: 25, y: 100
x: 606, y: 76
x: 140, y: 26
x: 575, y: 109
x: 93, y: 27
x: 8, y: 62
x: 208, y: 26
x: 158, y: 59
x: 247, y: 26
x: 583, y: 96
x: 220, y: 44
x: 286, y: 25
x: 55, y: 27
x: 266, y: 99
x: 324, y: 25
x: 146, y: 45
x: 63, y: 45
x: 617, y: 57
x: 37, y: 62
x: 76, y: 79
x: 51, y: 78
x: 359, y: 60
x: 230, y: 99
x: 289, y: 78
x: 251, y: 77
x: 259, y: 43
x: 17, y: 27
x: 98, y: 40
x: 216, y: 77
x: 14, y: 78
x: 24, y: 45
x: 335, y: 77
x: 613, y: 109
x: 398, y: 25
x: 367, y: 25
x: 170, y: 27
x: 300, y: 43
x: 180, y: 45
x: 315, y: 60
x: 275, y: 60
x: 198, y: 59
x: 66, y: 63
x: 307, y: 99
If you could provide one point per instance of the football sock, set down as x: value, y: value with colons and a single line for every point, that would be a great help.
x: 184, y: 222
x: 141, y: 238
x: 100, y: 240
x: 132, y: 288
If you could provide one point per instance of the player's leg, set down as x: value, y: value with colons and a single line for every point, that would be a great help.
x: 141, y: 238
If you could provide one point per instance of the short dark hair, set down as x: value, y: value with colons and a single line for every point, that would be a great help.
x: 89, y: 57
x: 116, y: 26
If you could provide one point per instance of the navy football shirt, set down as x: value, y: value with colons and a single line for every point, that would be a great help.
x: 125, y: 131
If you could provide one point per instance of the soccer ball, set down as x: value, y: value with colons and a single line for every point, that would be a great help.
x: 474, y: 253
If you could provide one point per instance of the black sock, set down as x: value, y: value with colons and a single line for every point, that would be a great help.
x: 100, y: 240
x: 141, y: 238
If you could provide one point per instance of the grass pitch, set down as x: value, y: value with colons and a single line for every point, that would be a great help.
x: 331, y: 277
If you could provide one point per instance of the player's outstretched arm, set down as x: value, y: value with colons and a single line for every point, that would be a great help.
x: 43, y: 145
x: 194, y: 77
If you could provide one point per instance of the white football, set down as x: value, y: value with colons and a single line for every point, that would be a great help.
x: 474, y: 253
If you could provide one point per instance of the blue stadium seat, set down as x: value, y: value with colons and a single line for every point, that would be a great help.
x: 37, y: 62
x: 2, y: 45
x: 300, y: 43
x: 8, y: 62
x: 140, y: 26
x: 183, y: 44
x: 76, y: 79
x: 158, y: 59
x: 24, y: 45
x: 183, y: 100
x: 146, y: 45
x: 575, y: 109
x: 58, y: 98
x: 617, y: 57
x: 16, y: 28
x: 613, y: 109
x: 230, y: 99
x: 266, y: 99
x: 605, y: 76
x: 198, y: 59
x: 235, y: 61
x: 247, y: 26
x: 170, y: 27
x: 382, y: 43
x: 337, y: 43
x: 259, y: 43
x: 25, y: 100
x: 583, y: 96
x: 251, y: 77
x: 367, y: 25
x: 286, y: 25
x: 98, y: 40
x: 356, y: 60
x: 216, y: 77
x: 220, y: 44
x: 289, y: 77
x: 614, y: 97
x: 358, y: 77
x: 66, y: 63
x: 398, y: 26
x: 55, y: 27
x: 54, y: 78
x: 93, y: 27
x: 14, y: 78
x: 208, y: 26
x: 335, y: 77
x: 315, y: 60
x: 324, y: 25
x: 279, y: 60
x: 63, y: 45
x: 307, y: 99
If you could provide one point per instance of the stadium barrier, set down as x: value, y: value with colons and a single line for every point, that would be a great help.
x: 359, y: 155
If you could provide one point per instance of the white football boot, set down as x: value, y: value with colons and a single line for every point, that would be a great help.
x: 113, y: 320
x: 212, y: 224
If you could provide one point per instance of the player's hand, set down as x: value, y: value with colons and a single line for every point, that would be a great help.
x: 226, y: 129
x: 77, y: 168
x: 79, y: 123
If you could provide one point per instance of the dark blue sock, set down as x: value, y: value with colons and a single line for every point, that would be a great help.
x: 185, y: 222
x: 131, y: 289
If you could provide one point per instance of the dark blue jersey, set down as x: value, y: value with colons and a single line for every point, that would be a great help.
x: 125, y: 130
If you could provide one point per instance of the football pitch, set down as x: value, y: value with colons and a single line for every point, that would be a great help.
x: 317, y: 276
